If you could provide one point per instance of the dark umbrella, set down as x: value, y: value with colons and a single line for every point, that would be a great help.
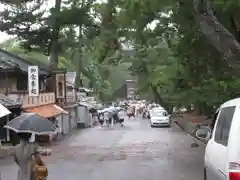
x: 30, y: 123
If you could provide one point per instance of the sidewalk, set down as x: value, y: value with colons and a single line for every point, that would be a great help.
x: 190, y: 123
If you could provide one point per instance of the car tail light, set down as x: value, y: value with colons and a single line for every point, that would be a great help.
x: 234, y: 171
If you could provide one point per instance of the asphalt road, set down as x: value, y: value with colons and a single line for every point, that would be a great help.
x: 133, y: 152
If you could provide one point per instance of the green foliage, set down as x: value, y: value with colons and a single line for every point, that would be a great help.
x: 172, y: 56
x: 36, y: 57
x: 22, y: 20
x: 204, y: 78
x: 175, y: 63
x: 53, y: 32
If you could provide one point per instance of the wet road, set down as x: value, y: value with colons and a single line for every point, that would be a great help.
x: 133, y: 152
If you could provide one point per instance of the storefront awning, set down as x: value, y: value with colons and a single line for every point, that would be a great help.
x: 47, y: 111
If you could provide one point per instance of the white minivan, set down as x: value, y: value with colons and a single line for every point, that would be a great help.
x: 222, y: 155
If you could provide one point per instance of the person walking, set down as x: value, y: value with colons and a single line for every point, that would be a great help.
x: 134, y: 111
x: 110, y: 119
x: 121, y: 117
x: 23, y: 156
x: 101, y: 119
x: 144, y: 112
x: 106, y: 119
x: 27, y: 156
x: 115, y: 118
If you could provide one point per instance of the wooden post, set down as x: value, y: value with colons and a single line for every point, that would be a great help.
x: 65, y: 88
x: 7, y: 130
x: 6, y: 74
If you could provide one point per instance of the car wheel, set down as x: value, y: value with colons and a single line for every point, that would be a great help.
x: 205, y: 174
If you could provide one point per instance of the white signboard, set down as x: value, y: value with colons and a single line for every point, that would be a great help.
x: 33, y: 81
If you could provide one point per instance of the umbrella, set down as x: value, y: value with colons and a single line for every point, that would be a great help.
x: 118, y: 108
x: 4, y: 111
x: 111, y: 109
x: 30, y: 123
x: 106, y: 110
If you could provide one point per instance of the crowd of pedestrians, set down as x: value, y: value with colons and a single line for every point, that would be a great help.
x: 110, y: 118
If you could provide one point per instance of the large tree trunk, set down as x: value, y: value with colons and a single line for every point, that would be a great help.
x: 55, y: 36
x: 108, y: 27
x: 197, y: 109
x: 216, y: 33
x: 79, y: 59
x: 78, y: 81
x: 54, y: 49
x: 157, y: 97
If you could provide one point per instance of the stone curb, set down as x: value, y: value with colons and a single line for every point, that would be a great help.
x: 192, y: 137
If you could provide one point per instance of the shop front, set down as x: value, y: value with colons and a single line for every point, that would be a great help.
x: 53, y: 113
x: 7, y: 136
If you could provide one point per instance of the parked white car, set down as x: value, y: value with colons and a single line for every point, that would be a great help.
x: 151, y: 107
x: 157, y: 108
x: 222, y: 155
x: 159, y: 117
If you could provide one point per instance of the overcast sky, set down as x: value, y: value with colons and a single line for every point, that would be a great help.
x: 4, y: 36
x: 49, y: 4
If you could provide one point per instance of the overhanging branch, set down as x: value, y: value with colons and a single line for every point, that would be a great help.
x: 216, y: 33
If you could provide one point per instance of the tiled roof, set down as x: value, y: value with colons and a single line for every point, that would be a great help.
x: 7, y: 102
x: 8, y: 65
x: 12, y: 60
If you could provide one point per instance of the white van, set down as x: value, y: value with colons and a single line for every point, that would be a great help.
x: 222, y: 155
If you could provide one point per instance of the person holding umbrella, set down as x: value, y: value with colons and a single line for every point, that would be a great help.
x: 27, y: 154
x: 23, y: 156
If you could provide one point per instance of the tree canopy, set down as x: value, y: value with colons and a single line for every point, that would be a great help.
x: 184, y: 53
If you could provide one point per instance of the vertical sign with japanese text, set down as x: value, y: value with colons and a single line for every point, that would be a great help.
x: 33, y: 81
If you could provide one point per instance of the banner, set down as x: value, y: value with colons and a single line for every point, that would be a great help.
x: 33, y: 81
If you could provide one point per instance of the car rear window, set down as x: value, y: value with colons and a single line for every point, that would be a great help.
x: 159, y: 113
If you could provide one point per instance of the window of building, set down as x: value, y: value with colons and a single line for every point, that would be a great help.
x: 60, y: 89
x: 2, y: 81
x: 22, y: 84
